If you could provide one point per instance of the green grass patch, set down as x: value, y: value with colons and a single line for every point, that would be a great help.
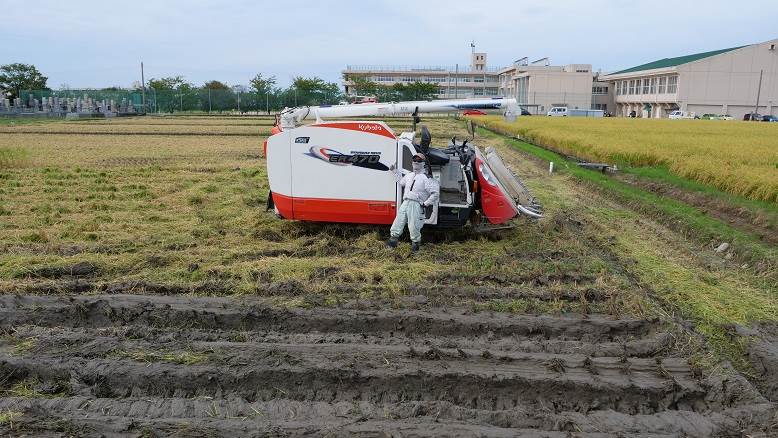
x: 32, y: 388
x: 13, y: 157
x: 663, y: 174
x: 7, y: 417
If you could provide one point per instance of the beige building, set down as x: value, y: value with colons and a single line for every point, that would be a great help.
x: 475, y: 80
x: 727, y: 81
x: 538, y: 86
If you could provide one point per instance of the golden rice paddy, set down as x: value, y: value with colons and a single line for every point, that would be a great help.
x: 740, y: 158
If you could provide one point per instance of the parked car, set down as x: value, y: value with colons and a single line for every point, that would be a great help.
x: 708, y: 116
x: 473, y: 112
x: 769, y: 118
x: 753, y: 117
x: 557, y: 111
x: 560, y: 111
x: 524, y: 112
x: 725, y: 117
x: 678, y: 114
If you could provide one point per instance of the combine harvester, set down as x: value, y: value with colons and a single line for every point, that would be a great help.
x: 338, y: 171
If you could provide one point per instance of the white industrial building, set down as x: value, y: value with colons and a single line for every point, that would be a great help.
x: 733, y: 81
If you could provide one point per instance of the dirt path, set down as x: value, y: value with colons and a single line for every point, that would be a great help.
x: 129, y: 364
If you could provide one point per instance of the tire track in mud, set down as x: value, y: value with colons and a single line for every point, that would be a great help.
x: 131, y: 364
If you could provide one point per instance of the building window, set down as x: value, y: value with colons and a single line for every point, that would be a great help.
x: 672, y: 84
x: 652, y: 86
x: 623, y: 87
x: 662, y: 85
x: 478, y: 79
x: 645, y: 86
x: 631, y: 87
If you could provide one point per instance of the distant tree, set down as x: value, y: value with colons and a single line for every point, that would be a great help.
x: 262, y: 85
x: 315, y: 91
x: 216, y: 85
x: 364, y: 86
x: 174, y: 93
x: 169, y: 83
x: 418, y: 91
x: 17, y: 77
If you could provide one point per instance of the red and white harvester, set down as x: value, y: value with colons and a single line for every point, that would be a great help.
x: 338, y: 170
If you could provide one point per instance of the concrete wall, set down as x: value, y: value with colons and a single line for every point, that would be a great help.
x: 729, y: 82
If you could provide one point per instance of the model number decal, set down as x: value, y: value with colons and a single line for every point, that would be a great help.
x: 355, y: 158
x: 367, y: 160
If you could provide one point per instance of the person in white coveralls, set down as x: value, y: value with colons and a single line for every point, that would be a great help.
x: 420, y: 192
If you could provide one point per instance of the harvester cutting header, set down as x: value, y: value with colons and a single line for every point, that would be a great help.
x: 339, y: 171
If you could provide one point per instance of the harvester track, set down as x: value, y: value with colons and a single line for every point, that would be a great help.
x: 133, y: 364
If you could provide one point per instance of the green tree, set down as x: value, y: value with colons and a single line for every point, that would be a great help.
x: 17, y: 77
x: 315, y: 91
x: 261, y: 85
x: 216, y: 85
x: 174, y: 93
x: 364, y: 86
x: 418, y: 91
x: 168, y: 83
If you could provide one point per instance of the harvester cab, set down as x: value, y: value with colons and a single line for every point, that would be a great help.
x: 339, y: 171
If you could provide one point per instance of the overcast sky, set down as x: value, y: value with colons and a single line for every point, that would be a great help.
x: 101, y: 43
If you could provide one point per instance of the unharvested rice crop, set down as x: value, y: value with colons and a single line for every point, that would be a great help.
x: 740, y: 158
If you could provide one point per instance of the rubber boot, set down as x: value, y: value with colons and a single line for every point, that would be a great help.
x: 391, y: 243
x: 415, y: 246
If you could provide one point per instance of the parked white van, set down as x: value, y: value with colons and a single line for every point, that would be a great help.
x: 678, y: 114
x: 557, y: 111
x: 561, y: 111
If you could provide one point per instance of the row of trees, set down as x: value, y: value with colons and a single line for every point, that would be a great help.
x: 392, y: 93
x: 175, y: 94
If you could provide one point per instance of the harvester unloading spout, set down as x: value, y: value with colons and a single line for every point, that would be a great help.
x: 293, y: 117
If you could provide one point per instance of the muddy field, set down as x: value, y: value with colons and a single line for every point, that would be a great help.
x: 146, y: 292
x: 202, y: 366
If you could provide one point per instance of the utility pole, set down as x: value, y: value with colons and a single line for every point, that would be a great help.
x: 758, y: 91
x: 267, y: 102
x: 143, y: 87
x: 209, y: 101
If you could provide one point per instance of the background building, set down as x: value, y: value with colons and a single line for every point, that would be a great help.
x: 475, y: 80
x: 727, y: 81
x: 538, y: 86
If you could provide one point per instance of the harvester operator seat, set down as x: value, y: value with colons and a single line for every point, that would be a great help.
x: 435, y: 157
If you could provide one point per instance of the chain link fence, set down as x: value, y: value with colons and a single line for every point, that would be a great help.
x: 199, y: 100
